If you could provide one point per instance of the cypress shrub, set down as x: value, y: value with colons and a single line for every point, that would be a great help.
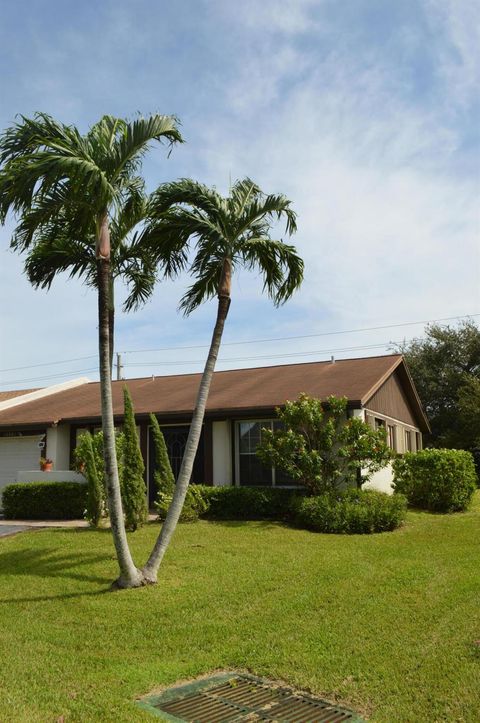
x: 440, y: 480
x: 89, y: 456
x: 163, y: 476
x: 134, y: 496
x: 45, y: 500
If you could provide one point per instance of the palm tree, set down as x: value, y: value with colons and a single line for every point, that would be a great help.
x: 227, y: 233
x: 72, y: 193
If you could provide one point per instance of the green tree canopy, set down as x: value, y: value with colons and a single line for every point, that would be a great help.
x: 445, y: 367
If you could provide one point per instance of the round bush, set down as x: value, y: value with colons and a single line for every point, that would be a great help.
x: 440, y: 480
x: 351, y: 512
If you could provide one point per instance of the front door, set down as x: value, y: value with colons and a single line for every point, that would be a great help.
x: 176, y: 439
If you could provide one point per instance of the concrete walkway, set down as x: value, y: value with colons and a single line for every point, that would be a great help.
x: 11, y: 527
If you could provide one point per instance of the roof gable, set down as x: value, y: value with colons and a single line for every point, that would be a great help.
x: 396, y: 396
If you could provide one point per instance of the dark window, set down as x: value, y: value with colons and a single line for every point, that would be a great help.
x: 251, y: 472
x: 175, y: 440
x: 391, y: 436
x: 408, y: 440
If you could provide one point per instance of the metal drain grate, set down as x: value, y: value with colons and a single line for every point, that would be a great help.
x: 233, y: 698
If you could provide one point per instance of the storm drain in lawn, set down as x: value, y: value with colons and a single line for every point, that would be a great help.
x: 229, y: 697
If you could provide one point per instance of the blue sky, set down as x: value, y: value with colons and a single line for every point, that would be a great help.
x: 365, y: 113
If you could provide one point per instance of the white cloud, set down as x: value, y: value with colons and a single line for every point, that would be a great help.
x: 458, y: 60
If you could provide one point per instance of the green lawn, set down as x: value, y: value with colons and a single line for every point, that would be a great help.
x: 385, y: 624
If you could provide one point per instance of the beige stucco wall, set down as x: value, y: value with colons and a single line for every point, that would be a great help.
x: 58, y: 446
x: 53, y: 476
x: 222, y: 453
x: 381, y: 480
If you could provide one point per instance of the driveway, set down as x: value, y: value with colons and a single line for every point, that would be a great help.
x: 6, y: 530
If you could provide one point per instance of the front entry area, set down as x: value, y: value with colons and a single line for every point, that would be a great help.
x: 175, y: 439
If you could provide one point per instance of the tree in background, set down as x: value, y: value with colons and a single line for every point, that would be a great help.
x: 134, y: 493
x: 163, y: 476
x: 321, y: 448
x: 445, y: 367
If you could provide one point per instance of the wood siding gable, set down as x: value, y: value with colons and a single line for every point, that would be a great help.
x: 391, y: 401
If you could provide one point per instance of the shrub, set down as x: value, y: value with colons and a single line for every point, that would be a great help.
x: 353, y: 511
x: 247, y: 503
x: 45, y: 500
x: 320, y: 447
x: 163, y: 475
x: 88, y: 454
x: 440, y: 480
x: 195, y: 504
x: 134, y: 497
x: 94, y: 470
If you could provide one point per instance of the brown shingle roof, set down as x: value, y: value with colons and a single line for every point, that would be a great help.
x: 238, y: 389
x: 5, y: 396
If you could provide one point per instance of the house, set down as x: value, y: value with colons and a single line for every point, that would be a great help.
x: 241, y: 402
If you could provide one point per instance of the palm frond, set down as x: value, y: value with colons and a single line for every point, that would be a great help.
x: 187, y: 192
x: 273, y: 207
x: 133, y: 139
x: 204, y: 288
x: 140, y: 277
x: 53, y: 256
x: 241, y: 194
x: 280, y: 266
x: 41, y: 132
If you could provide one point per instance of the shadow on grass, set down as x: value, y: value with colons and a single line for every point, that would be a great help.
x: 263, y: 524
x: 49, y: 562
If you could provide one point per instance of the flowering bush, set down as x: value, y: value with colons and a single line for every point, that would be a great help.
x: 321, y: 448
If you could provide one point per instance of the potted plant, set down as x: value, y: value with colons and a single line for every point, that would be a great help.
x: 46, y: 465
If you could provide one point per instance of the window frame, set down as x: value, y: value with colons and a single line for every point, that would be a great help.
x: 264, y: 422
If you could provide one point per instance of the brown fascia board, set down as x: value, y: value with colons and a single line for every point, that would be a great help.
x: 410, y: 390
x: 180, y: 416
x: 32, y: 426
x: 414, y: 398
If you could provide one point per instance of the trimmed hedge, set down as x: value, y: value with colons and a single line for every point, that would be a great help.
x: 351, y: 512
x: 439, y: 480
x: 247, y: 503
x: 45, y: 500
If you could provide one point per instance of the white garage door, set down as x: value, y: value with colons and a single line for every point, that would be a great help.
x: 18, y: 453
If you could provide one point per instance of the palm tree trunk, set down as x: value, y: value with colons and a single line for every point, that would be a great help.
x: 111, y: 323
x: 130, y: 576
x: 150, y: 570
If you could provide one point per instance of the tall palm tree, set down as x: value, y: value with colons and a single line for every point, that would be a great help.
x: 226, y: 233
x: 71, y: 192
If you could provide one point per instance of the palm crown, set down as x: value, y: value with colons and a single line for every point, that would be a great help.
x: 63, y: 185
x: 235, y: 229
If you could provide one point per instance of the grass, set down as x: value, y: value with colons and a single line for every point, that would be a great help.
x: 384, y: 624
